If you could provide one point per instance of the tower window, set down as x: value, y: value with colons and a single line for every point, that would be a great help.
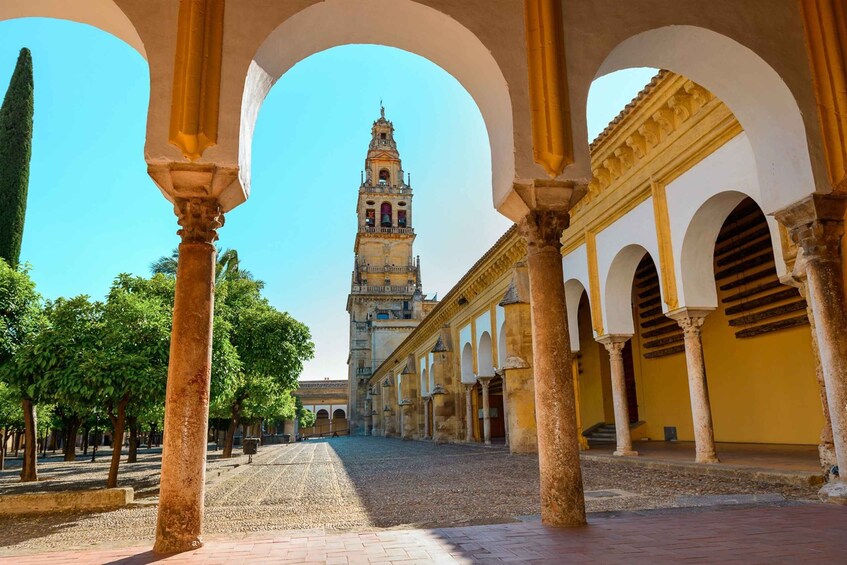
x: 382, y: 135
x: 385, y: 215
x: 370, y: 217
x: 384, y: 176
x: 401, y: 218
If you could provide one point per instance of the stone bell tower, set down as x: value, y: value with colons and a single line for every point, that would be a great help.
x: 386, y: 301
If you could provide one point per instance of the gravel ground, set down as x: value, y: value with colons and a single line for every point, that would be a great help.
x: 355, y: 484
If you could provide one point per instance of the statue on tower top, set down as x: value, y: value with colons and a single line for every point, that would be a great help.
x: 381, y: 109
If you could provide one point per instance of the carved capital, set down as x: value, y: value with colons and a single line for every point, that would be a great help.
x: 816, y: 225
x: 200, y: 219
x: 542, y: 230
x: 690, y: 320
x: 614, y: 344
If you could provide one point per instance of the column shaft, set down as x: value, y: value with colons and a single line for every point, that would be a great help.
x: 698, y: 389
x: 562, y: 496
x: 468, y: 413
x: 486, y: 411
x: 614, y: 345
x: 427, y: 431
x: 182, y: 486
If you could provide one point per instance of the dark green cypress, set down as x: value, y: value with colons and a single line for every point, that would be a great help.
x: 15, y: 152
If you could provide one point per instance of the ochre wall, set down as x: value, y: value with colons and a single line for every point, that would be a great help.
x: 592, y: 375
x: 762, y: 389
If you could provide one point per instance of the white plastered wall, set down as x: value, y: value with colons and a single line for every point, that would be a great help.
x: 575, y: 267
x: 698, y: 203
x: 620, y: 248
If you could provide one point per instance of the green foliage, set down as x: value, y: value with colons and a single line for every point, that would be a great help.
x: 21, y: 321
x: 11, y: 415
x: 15, y: 151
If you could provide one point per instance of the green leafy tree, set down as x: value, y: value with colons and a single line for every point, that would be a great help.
x: 15, y: 151
x: 305, y: 417
x: 21, y: 320
x: 228, y: 265
x: 271, y: 347
x: 130, y: 370
x: 11, y: 418
x: 62, y: 353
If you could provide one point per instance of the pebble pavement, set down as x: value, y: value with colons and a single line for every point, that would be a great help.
x: 346, y: 484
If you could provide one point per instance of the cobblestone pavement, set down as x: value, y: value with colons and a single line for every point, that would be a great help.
x: 368, y: 484
x: 807, y: 533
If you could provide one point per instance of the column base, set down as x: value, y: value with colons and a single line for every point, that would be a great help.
x: 164, y: 547
x: 707, y: 459
x: 834, y: 492
x: 625, y: 453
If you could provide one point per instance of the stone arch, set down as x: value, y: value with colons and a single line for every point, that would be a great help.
x: 403, y: 24
x: 574, y: 290
x: 467, y: 364
x: 484, y: 359
x: 618, y: 293
x: 757, y: 95
x: 424, y: 382
x: 102, y: 14
x: 696, y: 261
x: 339, y: 413
x: 322, y: 414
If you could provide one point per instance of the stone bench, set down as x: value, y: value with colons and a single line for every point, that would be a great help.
x: 64, y: 501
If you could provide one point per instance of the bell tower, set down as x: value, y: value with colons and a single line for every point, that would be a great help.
x: 386, y: 301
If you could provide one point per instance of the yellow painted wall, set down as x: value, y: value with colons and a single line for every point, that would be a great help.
x: 591, y: 362
x: 762, y: 389
x: 661, y: 385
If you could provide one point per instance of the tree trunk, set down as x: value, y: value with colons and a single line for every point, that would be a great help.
x: 3, y: 437
x: 133, y: 440
x: 150, y: 437
x: 71, y: 430
x: 85, y: 432
x: 230, y: 434
x: 29, y: 472
x: 118, y: 423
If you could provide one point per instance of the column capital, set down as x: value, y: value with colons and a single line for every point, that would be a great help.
x: 542, y: 229
x: 485, y: 381
x: 815, y: 225
x: 178, y: 179
x: 690, y: 319
x: 200, y: 219
x: 614, y: 343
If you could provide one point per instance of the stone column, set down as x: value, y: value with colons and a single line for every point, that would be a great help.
x: 485, y: 382
x: 698, y: 389
x: 562, y: 495
x: 614, y: 345
x: 468, y: 413
x: 816, y: 225
x: 427, y: 431
x: 182, y: 486
x: 505, y: 408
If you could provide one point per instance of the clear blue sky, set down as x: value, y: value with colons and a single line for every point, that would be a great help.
x: 93, y: 212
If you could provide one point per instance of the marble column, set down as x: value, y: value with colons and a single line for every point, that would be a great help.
x: 468, y: 413
x: 562, y: 495
x: 485, y: 382
x: 691, y: 320
x: 505, y: 408
x: 614, y: 345
x: 182, y: 483
x: 816, y: 225
x: 427, y: 431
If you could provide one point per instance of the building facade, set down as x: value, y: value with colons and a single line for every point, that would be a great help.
x: 672, y: 273
x: 386, y: 300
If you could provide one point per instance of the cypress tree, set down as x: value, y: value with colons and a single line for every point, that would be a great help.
x: 15, y: 151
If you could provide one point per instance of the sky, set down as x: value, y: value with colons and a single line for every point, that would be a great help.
x: 93, y: 212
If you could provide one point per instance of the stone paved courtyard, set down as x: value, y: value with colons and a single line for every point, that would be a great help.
x: 363, y: 485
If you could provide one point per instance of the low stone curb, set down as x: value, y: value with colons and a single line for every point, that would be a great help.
x: 64, y: 501
x: 791, y: 478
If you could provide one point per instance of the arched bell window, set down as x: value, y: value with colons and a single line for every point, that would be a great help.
x: 384, y: 176
x: 385, y: 215
x: 370, y: 217
x: 401, y: 218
